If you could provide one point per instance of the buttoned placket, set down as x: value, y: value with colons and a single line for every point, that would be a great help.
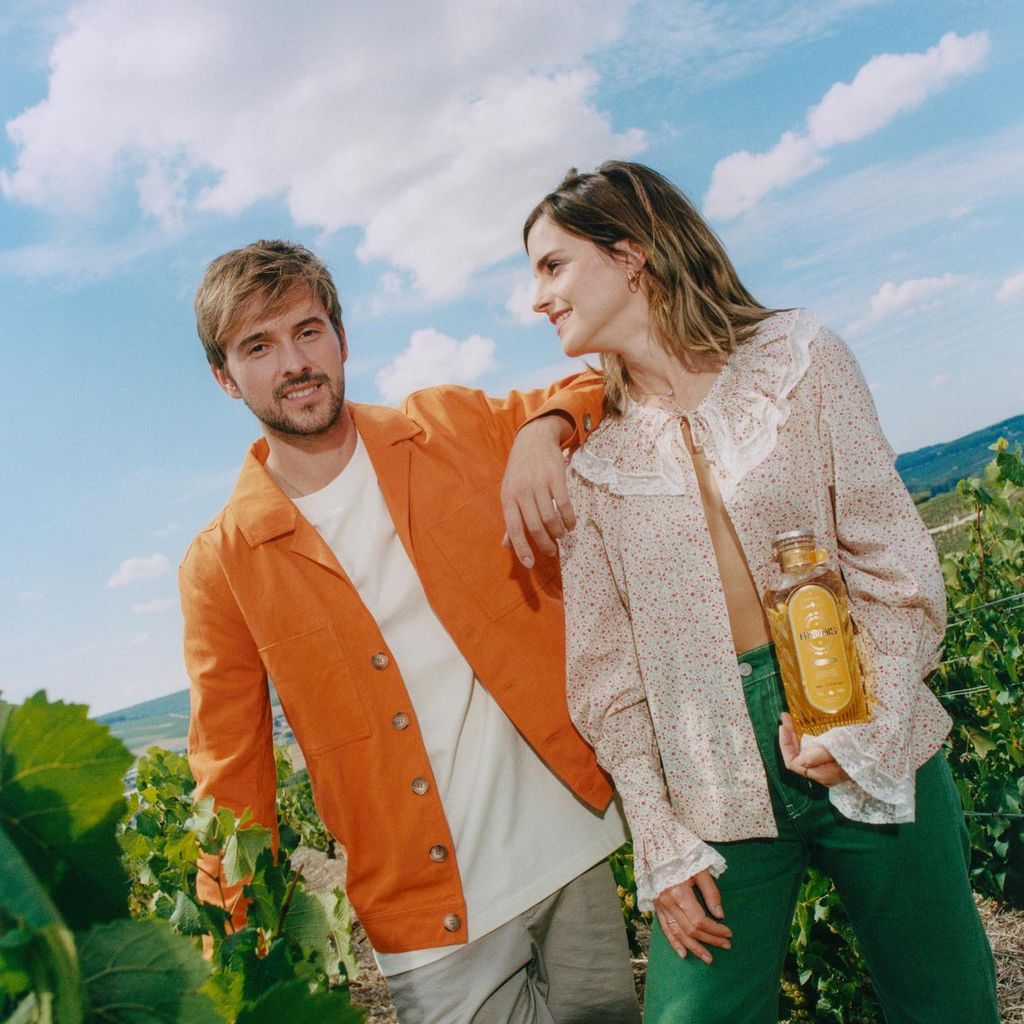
x: 419, y: 786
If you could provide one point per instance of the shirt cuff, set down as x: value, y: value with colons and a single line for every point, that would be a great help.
x: 872, y: 794
x: 663, y: 858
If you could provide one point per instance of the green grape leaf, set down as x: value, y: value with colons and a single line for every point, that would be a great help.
x: 266, y: 890
x: 306, y: 923
x: 22, y: 895
x: 294, y: 1003
x: 225, y: 989
x: 981, y: 743
x: 242, y: 848
x: 61, y: 796
x: 262, y: 973
x: 336, y: 954
x: 142, y: 972
x: 186, y: 917
x: 1011, y: 467
x: 203, y: 819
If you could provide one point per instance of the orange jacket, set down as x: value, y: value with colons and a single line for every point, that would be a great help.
x: 262, y: 594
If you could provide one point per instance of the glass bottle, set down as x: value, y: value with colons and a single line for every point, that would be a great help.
x: 810, y: 623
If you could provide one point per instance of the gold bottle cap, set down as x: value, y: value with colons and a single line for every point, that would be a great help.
x: 798, y: 548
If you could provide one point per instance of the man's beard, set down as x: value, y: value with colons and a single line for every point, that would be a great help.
x: 302, y: 424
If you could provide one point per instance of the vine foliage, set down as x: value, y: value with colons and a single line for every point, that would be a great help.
x: 98, y: 922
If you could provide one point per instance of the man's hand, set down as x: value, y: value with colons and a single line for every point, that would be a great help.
x: 813, y: 762
x: 534, y: 498
x: 685, y: 921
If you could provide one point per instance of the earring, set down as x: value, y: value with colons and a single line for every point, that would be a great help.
x: 633, y: 281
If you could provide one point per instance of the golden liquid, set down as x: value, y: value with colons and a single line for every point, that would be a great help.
x: 813, y: 635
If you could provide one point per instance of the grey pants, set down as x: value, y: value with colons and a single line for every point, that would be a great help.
x: 563, y: 961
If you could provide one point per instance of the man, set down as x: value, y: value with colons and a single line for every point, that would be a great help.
x: 419, y: 665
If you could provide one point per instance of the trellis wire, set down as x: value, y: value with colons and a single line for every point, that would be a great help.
x: 1017, y: 597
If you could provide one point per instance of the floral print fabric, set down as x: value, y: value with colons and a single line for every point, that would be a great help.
x: 791, y: 433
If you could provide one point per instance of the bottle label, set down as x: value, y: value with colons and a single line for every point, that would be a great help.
x: 821, y: 654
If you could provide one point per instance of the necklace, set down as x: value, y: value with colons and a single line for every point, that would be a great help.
x: 638, y: 394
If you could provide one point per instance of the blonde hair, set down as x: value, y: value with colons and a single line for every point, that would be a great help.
x: 698, y: 305
x: 268, y: 269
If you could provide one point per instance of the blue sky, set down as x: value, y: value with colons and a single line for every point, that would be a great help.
x: 862, y: 158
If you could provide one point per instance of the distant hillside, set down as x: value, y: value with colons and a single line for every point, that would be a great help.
x: 172, y: 704
x: 163, y: 722
x: 939, y: 467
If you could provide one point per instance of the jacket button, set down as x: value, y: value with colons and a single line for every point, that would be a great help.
x: 452, y: 923
x: 439, y: 853
x: 419, y: 787
x: 587, y: 422
x: 745, y: 669
x: 400, y: 720
x: 380, y: 660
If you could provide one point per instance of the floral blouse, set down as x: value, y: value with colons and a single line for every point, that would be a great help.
x: 792, y: 437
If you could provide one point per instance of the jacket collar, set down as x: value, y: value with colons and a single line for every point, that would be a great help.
x: 263, y: 511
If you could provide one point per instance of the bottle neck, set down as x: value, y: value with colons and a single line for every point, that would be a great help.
x: 802, y: 559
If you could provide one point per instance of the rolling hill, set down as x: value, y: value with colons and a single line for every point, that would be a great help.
x: 939, y: 467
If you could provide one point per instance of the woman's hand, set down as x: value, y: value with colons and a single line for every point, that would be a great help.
x: 686, y: 923
x: 813, y: 762
x: 534, y: 498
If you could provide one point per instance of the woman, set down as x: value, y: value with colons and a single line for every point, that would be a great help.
x: 727, y: 424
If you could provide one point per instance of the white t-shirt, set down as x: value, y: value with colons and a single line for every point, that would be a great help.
x: 520, y: 834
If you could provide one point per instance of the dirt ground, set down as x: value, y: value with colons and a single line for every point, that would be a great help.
x: 1005, y: 930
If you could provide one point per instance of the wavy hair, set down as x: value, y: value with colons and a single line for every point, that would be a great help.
x: 698, y: 305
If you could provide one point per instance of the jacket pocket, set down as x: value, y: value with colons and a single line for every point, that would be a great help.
x: 470, y: 539
x: 319, y: 697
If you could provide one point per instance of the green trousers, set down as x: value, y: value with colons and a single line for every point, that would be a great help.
x: 904, y: 887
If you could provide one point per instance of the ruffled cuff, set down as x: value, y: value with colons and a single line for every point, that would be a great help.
x: 666, y: 857
x: 873, y: 794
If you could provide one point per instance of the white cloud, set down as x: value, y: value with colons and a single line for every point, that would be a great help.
x: 158, y: 604
x: 133, y: 569
x: 891, y: 84
x: 166, y: 531
x: 907, y: 296
x: 434, y: 358
x: 62, y: 257
x: 886, y: 86
x: 939, y: 379
x: 435, y: 152
x: 1012, y: 288
x: 844, y: 221
x: 520, y: 301
x: 741, y: 180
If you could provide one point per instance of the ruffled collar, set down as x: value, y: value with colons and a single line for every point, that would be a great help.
x: 737, y: 422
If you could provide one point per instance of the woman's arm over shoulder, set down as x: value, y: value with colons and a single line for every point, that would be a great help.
x: 608, y: 704
x: 897, y: 596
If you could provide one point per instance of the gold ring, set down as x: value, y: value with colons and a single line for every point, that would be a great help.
x: 806, y: 770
